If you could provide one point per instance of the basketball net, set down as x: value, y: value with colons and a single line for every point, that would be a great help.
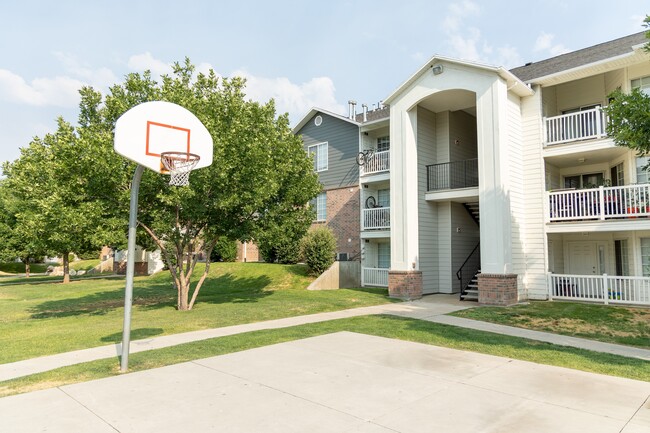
x: 179, y: 165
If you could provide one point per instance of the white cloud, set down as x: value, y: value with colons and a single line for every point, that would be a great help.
x: 57, y: 91
x: 290, y: 97
x: 466, y: 41
x: 145, y: 61
x: 545, y: 43
x: 101, y: 78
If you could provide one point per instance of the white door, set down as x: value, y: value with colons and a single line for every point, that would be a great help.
x: 583, y: 258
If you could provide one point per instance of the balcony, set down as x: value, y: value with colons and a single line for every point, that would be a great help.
x: 602, y: 203
x: 376, y: 219
x: 452, y: 175
x: 379, y: 162
x: 581, y: 125
x: 606, y: 289
x: 374, y: 277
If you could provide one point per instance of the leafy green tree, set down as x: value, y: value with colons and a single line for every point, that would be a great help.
x: 259, y: 169
x: 629, y: 114
x: 53, y: 209
x: 318, y: 249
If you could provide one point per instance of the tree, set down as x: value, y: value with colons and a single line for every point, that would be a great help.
x: 260, y: 170
x: 19, y: 238
x: 53, y: 208
x: 629, y: 114
x: 319, y: 248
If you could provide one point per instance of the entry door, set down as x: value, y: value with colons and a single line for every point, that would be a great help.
x: 583, y: 258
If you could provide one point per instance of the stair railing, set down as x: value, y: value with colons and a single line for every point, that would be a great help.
x: 469, y: 268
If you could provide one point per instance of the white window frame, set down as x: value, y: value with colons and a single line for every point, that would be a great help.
x: 641, y: 83
x: 383, y: 255
x: 321, y: 156
x: 320, y: 204
x: 383, y: 143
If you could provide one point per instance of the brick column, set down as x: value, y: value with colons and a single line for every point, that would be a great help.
x: 405, y: 284
x: 497, y: 289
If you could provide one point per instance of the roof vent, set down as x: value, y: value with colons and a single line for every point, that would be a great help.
x: 528, y: 64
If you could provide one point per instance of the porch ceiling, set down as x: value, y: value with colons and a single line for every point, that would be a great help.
x: 572, y: 155
x: 452, y: 100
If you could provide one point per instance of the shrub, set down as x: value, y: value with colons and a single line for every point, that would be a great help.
x: 225, y: 250
x: 318, y: 249
x: 285, y: 251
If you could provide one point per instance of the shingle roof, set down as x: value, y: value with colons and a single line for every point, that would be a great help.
x: 578, y: 58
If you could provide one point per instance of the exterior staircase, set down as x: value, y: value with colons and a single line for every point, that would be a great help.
x: 473, y: 209
x: 470, y: 293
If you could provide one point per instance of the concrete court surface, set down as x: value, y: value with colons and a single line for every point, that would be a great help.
x: 343, y: 382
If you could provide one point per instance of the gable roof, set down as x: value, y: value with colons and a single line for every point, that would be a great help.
x: 311, y: 113
x: 583, y: 57
x: 514, y: 83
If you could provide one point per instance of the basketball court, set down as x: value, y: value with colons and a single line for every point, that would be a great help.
x: 343, y: 382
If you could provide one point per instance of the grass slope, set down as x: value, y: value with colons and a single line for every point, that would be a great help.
x: 43, y: 319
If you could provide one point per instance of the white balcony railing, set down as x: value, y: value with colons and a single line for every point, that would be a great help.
x: 380, y: 161
x: 374, y: 277
x: 600, y: 288
x: 582, y: 125
x: 376, y: 218
x: 602, y: 203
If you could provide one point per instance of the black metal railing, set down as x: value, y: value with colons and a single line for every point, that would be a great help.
x: 452, y: 175
x: 469, y: 268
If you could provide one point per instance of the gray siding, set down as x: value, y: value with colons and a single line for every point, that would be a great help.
x: 343, y: 146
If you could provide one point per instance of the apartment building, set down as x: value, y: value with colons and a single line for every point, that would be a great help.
x: 499, y: 184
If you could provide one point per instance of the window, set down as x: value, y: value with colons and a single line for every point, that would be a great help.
x: 645, y: 256
x: 621, y: 255
x: 618, y: 175
x: 642, y: 84
x: 383, y: 143
x: 591, y: 180
x: 383, y: 197
x: 383, y: 255
x: 320, y: 156
x: 641, y: 172
x: 320, y: 204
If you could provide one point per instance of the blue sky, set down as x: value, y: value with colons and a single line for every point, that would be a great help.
x: 302, y: 53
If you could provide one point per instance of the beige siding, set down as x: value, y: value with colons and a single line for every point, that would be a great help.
x: 637, y: 71
x: 444, y: 247
x: 462, y: 136
x: 428, y: 245
x: 614, y: 80
x: 549, y: 101
x: 532, y: 219
x: 579, y: 93
x: 463, y: 241
x: 442, y: 137
x: 554, y: 179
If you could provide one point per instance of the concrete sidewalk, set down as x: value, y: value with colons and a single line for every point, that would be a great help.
x: 341, y: 382
x: 431, y: 308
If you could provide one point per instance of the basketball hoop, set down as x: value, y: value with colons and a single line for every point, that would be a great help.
x: 178, y: 165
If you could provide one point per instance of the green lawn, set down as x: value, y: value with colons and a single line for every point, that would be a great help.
x: 385, y: 326
x: 608, y: 323
x: 43, y: 319
x: 19, y: 268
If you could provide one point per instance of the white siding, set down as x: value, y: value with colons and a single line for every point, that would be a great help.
x: 554, y: 177
x: 532, y: 219
x: 427, y: 242
x: 549, y: 101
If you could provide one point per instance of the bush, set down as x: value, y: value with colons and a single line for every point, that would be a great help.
x: 225, y: 250
x: 284, y: 251
x: 318, y: 249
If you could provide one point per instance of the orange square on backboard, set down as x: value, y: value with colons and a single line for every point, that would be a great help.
x: 166, y: 138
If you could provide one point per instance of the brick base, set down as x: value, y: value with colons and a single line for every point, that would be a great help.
x: 405, y: 284
x: 139, y: 268
x: 497, y: 289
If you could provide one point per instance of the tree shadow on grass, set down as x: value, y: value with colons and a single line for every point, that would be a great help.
x: 136, y: 334
x: 157, y: 294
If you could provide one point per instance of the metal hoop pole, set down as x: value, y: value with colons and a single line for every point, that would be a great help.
x: 130, y: 266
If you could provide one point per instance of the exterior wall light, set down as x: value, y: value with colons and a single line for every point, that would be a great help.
x: 437, y: 70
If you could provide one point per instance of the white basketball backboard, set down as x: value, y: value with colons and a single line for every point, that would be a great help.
x: 151, y: 128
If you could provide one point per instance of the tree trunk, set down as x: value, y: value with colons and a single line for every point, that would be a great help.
x: 183, y: 292
x: 26, y: 268
x: 66, y: 268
